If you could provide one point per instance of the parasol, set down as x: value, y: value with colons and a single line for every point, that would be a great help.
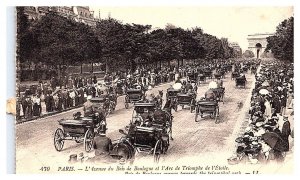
x: 263, y: 92
x: 213, y: 85
x: 177, y: 86
x: 273, y: 140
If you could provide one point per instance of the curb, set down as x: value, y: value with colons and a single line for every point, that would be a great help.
x: 47, y: 115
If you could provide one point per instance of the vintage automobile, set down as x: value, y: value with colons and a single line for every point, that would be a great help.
x: 80, y: 129
x: 240, y: 81
x: 188, y: 99
x: 192, y: 78
x: 219, y: 92
x: 219, y: 74
x: 208, y: 73
x: 143, y: 107
x: 201, y: 78
x: 106, y: 102
x: 151, y: 140
x: 171, y: 96
x: 133, y: 96
x: 120, y: 87
x: 207, y: 107
x: 235, y: 74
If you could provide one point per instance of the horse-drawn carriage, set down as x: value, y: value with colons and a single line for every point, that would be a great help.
x: 207, y: 107
x: 80, y: 129
x: 240, y: 81
x: 188, y: 99
x: 133, y: 96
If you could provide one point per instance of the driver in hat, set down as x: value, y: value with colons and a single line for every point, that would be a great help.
x: 102, y: 145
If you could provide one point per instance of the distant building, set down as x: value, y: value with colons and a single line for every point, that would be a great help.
x: 258, y: 43
x: 84, y: 15
x: 237, y: 49
x: 77, y: 13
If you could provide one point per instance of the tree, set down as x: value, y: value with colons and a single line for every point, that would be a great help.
x: 248, y: 54
x: 61, y: 41
x: 281, y: 44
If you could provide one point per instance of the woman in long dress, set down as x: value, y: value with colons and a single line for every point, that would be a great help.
x: 268, y: 110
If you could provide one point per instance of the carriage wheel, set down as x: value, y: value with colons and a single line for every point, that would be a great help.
x: 88, y: 140
x: 158, y: 149
x: 126, y: 105
x: 59, y: 139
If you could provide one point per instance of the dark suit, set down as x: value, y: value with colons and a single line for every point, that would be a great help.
x: 102, y: 145
x: 286, y: 132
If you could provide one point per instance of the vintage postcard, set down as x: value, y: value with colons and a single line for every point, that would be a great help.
x: 154, y: 90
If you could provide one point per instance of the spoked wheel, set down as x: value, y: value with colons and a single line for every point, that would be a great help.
x: 59, y: 139
x: 158, y: 149
x: 88, y: 140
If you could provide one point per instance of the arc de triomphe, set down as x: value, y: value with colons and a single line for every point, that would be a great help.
x: 258, y: 43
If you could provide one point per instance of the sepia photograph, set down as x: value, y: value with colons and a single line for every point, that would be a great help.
x: 154, y: 90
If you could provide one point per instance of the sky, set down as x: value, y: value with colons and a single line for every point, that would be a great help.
x: 234, y: 23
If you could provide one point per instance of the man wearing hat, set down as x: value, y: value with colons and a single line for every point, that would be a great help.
x: 286, y: 132
x: 102, y: 144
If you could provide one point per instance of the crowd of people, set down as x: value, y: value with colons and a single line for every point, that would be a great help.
x: 63, y: 93
x: 267, y: 136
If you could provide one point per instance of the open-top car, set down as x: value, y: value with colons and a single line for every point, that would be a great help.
x: 240, y: 81
x: 80, y: 129
x: 207, y: 107
x: 133, y: 96
x: 188, y: 99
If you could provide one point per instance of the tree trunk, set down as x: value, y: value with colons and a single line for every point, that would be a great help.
x: 81, y: 68
x: 59, y: 71
x: 178, y: 62
x: 160, y: 64
x: 92, y: 68
x: 106, y: 66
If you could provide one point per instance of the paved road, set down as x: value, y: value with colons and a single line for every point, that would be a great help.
x: 200, y: 142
